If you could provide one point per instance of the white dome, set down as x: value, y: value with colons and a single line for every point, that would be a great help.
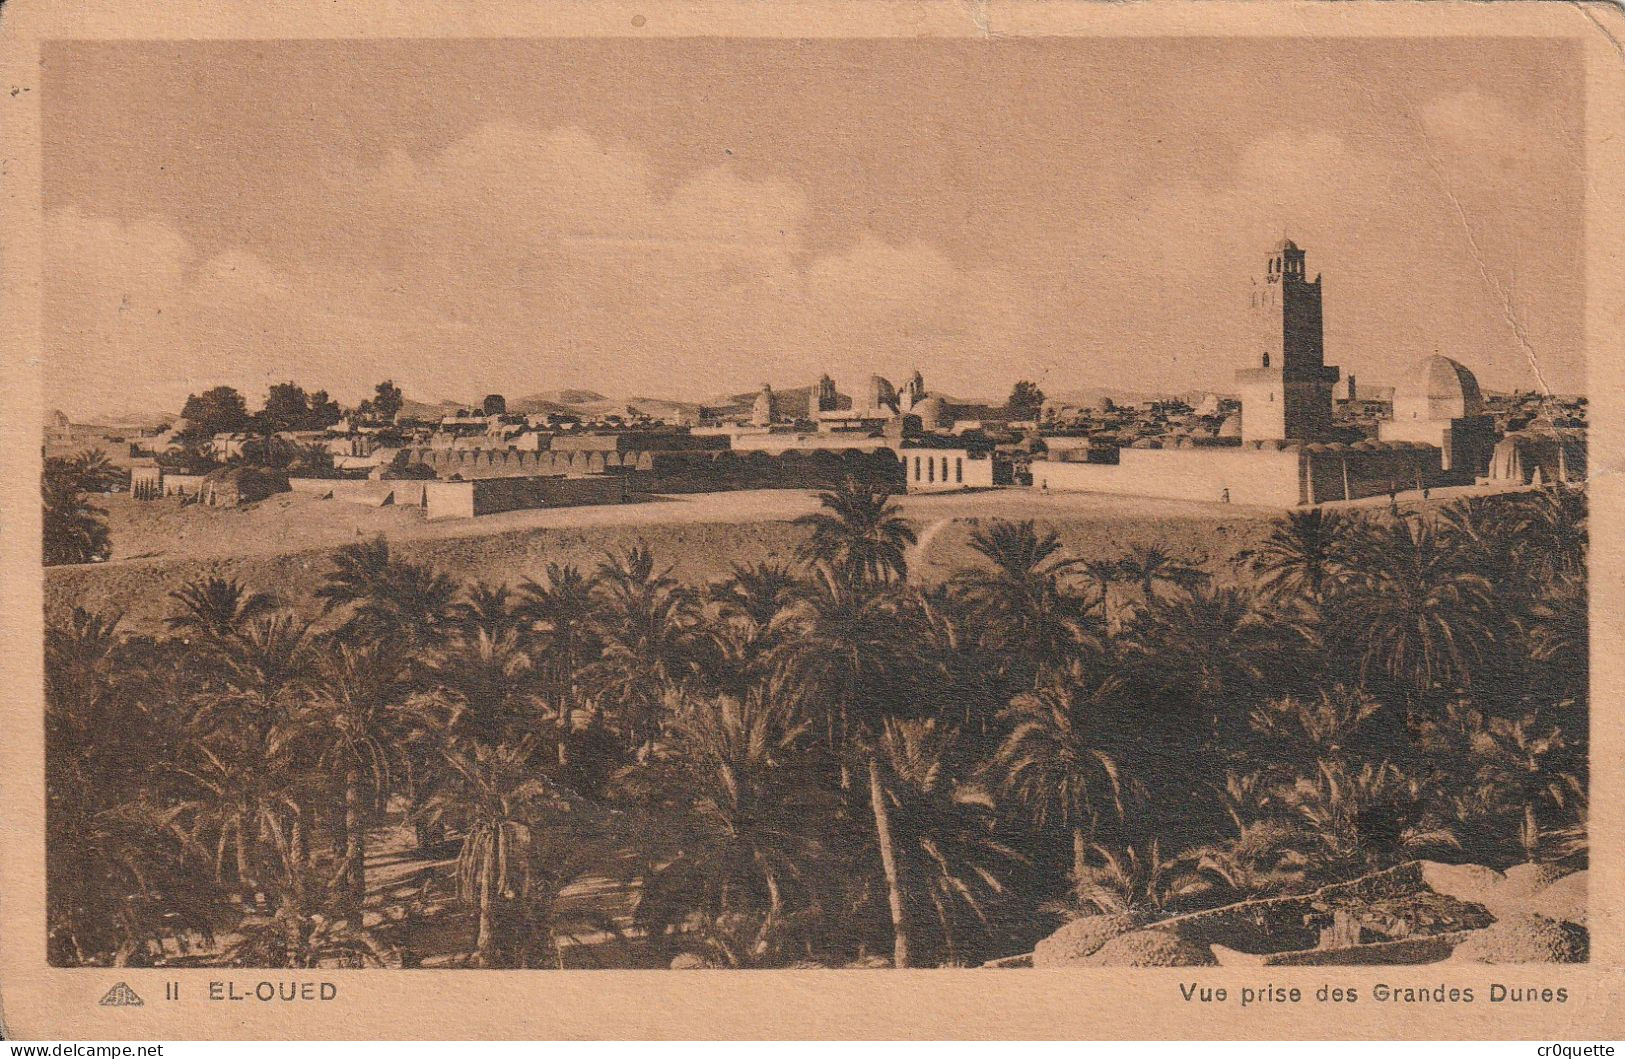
x: 1441, y: 389
x: 932, y: 412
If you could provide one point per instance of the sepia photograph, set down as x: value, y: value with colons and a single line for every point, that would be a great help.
x: 997, y: 502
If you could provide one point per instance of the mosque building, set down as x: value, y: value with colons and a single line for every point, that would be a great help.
x: 1284, y: 451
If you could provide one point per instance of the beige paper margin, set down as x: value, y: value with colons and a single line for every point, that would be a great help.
x: 42, y: 1002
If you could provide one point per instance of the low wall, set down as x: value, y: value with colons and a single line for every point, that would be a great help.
x: 1266, y: 477
x: 182, y: 484
x: 1243, y: 476
x: 470, y: 464
x: 146, y: 481
x: 491, y: 495
x: 403, y: 492
x: 1359, y: 473
x: 674, y: 472
x: 1524, y: 457
x: 637, y: 441
x: 946, y: 471
x: 807, y: 443
x: 407, y: 493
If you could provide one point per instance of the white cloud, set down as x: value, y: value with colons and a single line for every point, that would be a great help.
x: 518, y: 259
x: 513, y: 260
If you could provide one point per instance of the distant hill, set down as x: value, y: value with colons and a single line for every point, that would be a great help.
x: 792, y: 399
x: 1090, y: 394
x: 658, y: 407
x: 591, y: 403
x: 411, y: 409
x: 143, y: 420
x: 538, y: 405
x: 564, y: 397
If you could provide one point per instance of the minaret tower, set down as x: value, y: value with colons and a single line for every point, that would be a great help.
x: 1287, y: 394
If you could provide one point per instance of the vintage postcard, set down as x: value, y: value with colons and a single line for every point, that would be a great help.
x: 648, y: 519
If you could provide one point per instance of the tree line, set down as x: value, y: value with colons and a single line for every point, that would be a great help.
x: 818, y: 760
x: 223, y: 410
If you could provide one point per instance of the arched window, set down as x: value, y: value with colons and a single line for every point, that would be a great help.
x: 930, y: 470
x: 959, y: 470
x: 916, y: 468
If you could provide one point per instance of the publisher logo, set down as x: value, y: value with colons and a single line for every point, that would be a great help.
x: 121, y: 996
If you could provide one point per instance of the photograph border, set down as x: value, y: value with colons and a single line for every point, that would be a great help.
x: 41, y: 1002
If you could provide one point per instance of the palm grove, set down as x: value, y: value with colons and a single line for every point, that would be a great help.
x: 818, y: 761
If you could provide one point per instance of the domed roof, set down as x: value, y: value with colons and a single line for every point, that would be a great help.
x: 1441, y: 389
x: 1448, y: 378
x: 931, y: 411
x: 878, y: 394
x: 1285, y: 244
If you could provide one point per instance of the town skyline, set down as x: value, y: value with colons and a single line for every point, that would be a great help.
x: 534, y: 232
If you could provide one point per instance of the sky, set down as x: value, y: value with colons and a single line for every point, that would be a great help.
x: 687, y: 217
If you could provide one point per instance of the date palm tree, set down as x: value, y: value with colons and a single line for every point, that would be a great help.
x: 271, y: 654
x: 1304, y: 555
x: 1528, y: 762
x: 647, y: 627
x: 123, y: 880
x: 760, y: 592
x: 859, y: 536
x: 503, y: 806
x: 845, y: 658
x: 564, y: 611
x: 492, y: 609
x: 75, y: 530
x: 1553, y: 532
x: 1150, y: 565
x: 1030, y: 617
x: 846, y: 653
x: 88, y: 692
x: 216, y: 609
x: 231, y: 795
x: 387, y: 597
x: 1557, y: 627
x: 945, y: 854
x: 1414, y: 613
x: 1102, y: 574
x: 256, y: 675
x: 1486, y: 532
x: 489, y: 685
x: 1209, y: 646
x: 752, y: 864
x: 1052, y: 761
x: 1137, y: 879
x: 1358, y: 818
x: 947, y: 662
x: 354, y: 726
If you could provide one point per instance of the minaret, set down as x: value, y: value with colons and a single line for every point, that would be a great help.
x: 1287, y: 395
x: 761, y: 412
x: 822, y: 398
